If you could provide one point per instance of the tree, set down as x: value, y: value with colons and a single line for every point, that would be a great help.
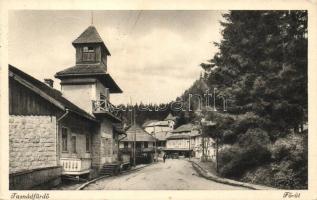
x: 261, y: 68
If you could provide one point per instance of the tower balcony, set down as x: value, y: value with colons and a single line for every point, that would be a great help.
x: 101, y: 107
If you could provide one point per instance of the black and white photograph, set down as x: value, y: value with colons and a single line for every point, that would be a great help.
x: 158, y: 100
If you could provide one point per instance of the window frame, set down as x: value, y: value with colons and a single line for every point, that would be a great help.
x: 74, y: 147
x: 88, y: 142
x: 64, y: 136
x: 88, y: 50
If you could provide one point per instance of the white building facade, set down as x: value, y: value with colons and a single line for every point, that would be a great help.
x: 187, y: 140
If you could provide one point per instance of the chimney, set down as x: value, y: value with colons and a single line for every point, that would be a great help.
x: 49, y: 82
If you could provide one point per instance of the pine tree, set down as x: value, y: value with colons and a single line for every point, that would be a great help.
x: 261, y: 68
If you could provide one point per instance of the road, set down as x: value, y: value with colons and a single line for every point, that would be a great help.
x: 171, y: 175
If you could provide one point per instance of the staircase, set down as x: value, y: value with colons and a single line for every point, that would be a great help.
x: 110, y: 169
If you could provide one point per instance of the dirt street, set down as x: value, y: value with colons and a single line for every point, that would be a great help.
x: 171, y: 175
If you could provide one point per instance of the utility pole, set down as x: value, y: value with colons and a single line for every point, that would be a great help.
x: 217, y: 144
x: 203, y: 140
x: 134, y: 145
x: 189, y: 148
x: 215, y: 99
x: 155, y: 147
x: 134, y: 138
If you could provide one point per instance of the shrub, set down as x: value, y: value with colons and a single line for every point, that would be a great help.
x: 235, y: 161
x: 229, y: 137
x: 254, y: 136
x: 288, y: 167
x: 290, y: 155
x: 278, y: 175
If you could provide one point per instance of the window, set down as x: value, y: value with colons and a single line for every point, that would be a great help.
x: 88, y: 49
x: 107, y: 93
x: 73, y: 142
x: 146, y: 144
x: 88, y: 143
x: 64, y: 139
x: 89, y: 54
x: 102, y: 96
x: 126, y: 144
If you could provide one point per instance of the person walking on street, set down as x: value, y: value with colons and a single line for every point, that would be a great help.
x: 164, y: 157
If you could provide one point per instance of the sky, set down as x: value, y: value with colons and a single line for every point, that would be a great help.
x: 155, y: 55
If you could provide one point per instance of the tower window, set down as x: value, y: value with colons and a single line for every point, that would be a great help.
x: 89, y: 54
x: 88, y: 49
x: 102, y: 97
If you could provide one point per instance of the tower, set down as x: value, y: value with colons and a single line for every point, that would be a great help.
x: 171, y: 120
x: 90, y: 49
x: 89, y: 85
x: 88, y: 81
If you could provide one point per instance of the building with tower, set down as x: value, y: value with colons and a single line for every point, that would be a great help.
x: 72, y: 132
x: 89, y: 85
x: 161, y: 129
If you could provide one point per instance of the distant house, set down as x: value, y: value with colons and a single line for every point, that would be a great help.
x: 187, y: 140
x: 160, y: 129
x: 70, y: 132
x: 138, y: 139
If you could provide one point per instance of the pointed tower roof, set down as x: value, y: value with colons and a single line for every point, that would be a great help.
x: 170, y: 117
x: 90, y: 35
x: 95, y: 68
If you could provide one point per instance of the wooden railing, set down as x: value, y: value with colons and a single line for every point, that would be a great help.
x: 75, y: 166
x: 103, y: 106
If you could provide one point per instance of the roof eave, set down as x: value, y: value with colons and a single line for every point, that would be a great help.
x: 115, y: 89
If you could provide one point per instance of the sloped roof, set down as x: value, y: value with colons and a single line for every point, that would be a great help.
x: 182, y: 135
x: 148, y: 122
x: 185, y: 128
x: 162, y: 135
x: 51, y: 92
x: 140, y: 134
x: 170, y: 117
x: 90, y: 70
x: 156, y: 123
x: 90, y: 35
x: 82, y: 69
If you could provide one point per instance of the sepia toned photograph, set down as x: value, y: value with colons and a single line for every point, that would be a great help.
x: 158, y: 100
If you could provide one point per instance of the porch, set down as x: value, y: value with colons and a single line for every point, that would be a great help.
x: 75, y: 166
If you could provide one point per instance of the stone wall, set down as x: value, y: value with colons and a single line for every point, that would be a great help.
x: 32, y: 142
x: 43, y: 178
